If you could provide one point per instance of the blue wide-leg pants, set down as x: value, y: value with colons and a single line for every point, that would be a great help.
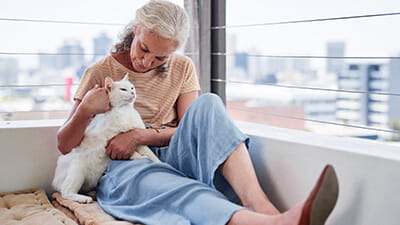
x: 187, y: 188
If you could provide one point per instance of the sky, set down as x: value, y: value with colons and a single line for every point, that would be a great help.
x: 377, y: 36
x: 47, y: 37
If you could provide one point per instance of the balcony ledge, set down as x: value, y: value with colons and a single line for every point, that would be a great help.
x: 287, y: 163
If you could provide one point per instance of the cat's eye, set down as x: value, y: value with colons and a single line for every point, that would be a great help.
x: 122, y: 89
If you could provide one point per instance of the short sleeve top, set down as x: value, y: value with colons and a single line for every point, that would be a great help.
x: 157, y: 92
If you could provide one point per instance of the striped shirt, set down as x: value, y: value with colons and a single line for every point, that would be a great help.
x: 157, y: 92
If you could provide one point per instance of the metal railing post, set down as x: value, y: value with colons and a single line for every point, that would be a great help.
x: 218, y: 44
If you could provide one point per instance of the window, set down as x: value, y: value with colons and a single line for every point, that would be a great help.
x: 326, y: 58
x: 45, y: 47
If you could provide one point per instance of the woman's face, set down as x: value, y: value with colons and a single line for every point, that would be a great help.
x: 148, y: 50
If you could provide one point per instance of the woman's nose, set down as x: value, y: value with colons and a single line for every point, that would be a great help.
x: 147, y: 60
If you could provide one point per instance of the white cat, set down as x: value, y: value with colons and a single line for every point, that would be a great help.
x: 81, y: 168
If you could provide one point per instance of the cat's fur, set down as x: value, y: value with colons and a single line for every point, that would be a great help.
x: 81, y: 168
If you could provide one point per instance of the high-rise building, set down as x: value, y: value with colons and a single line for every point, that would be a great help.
x: 363, y: 108
x: 302, y: 65
x: 101, y: 46
x: 335, y: 65
x: 48, y: 61
x: 394, y: 87
x: 277, y: 65
x: 242, y: 60
x: 8, y: 71
x: 72, y: 54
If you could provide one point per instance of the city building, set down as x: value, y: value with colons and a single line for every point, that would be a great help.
x: 363, y: 108
x: 241, y: 60
x: 71, y: 54
x: 256, y: 66
x: 47, y: 61
x: 335, y: 49
x: 101, y: 46
x: 394, y: 87
x: 8, y: 71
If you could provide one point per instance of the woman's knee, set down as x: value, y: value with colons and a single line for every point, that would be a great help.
x: 207, y: 108
x: 209, y: 100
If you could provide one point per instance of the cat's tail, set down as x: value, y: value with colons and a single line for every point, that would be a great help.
x: 144, y: 152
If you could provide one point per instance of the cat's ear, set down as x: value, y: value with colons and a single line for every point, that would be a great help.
x: 108, y: 83
x: 126, y: 77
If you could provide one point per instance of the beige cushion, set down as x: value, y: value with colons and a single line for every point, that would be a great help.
x: 88, y: 214
x: 30, y: 207
x: 66, y: 211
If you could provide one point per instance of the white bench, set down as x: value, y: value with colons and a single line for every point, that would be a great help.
x: 287, y: 163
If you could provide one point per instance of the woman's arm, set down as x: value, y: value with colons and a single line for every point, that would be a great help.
x: 162, y: 137
x: 123, y: 145
x: 184, y: 101
x: 71, y: 133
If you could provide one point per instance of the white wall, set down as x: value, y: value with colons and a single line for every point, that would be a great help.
x: 287, y: 162
x: 28, y: 154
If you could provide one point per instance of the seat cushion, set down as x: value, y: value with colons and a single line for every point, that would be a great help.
x: 30, y: 207
x: 87, y: 214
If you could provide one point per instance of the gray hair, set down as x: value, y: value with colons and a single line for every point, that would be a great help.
x: 164, y: 18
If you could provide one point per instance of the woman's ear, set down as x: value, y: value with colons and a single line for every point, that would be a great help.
x: 108, y: 83
x: 135, y: 29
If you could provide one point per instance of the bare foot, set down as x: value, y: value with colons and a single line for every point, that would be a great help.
x: 264, y: 207
x: 313, y: 211
x: 259, y: 202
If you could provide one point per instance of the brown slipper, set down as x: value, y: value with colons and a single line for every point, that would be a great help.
x: 322, y: 199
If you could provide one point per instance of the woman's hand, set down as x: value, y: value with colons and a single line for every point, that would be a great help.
x: 96, y: 101
x: 123, y: 145
x: 71, y: 132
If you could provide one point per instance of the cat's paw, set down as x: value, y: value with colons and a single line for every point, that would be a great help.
x: 84, y: 199
x: 79, y: 198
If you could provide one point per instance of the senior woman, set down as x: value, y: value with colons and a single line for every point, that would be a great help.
x: 206, y: 165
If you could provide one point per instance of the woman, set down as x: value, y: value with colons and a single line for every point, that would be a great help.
x: 204, y: 154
